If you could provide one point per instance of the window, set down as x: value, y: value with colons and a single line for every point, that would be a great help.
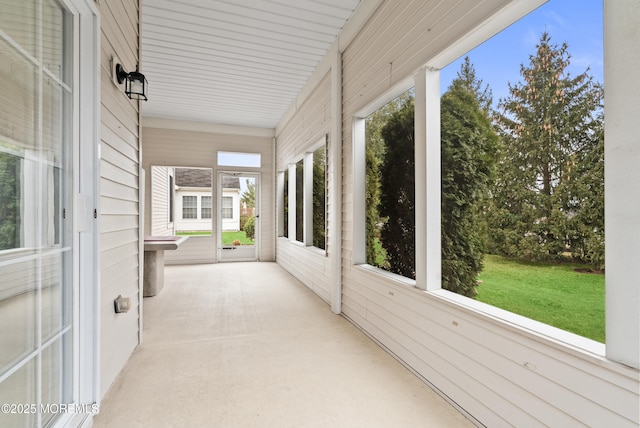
x: 239, y: 159
x: 205, y: 207
x: 285, y: 202
x: 227, y: 207
x: 190, y: 207
x: 303, y: 198
x: 319, y: 198
x: 523, y: 174
x: 300, y: 201
x: 389, y: 186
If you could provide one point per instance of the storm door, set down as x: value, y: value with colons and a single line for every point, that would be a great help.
x: 238, y: 216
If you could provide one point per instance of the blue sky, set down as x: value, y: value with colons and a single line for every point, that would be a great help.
x: 497, y: 61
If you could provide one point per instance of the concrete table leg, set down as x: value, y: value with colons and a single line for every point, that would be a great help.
x: 153, y: 272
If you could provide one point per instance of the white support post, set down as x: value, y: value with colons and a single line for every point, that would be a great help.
x: 433, y: 179
x: 335, y: 191
x: 280, y: 204
x: 420, y: 156
x: 622, y: 175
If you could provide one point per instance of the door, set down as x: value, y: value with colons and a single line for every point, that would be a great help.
x: 238, y: 216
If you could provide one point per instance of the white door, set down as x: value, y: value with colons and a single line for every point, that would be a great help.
x: 238, y: 216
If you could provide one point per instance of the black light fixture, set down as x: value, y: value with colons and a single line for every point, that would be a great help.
x: 135, y: 83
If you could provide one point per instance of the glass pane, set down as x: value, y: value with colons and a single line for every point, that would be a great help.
x: 56, y: 376
x: 10, y: 197
x: 52, y: 118
x: 54, y: 220
x: 18, y: 103
x: 285, y: 200
x: 53, y: 37
x: 300, y: 201
x: 227, y: 207
x: 206, y: 207
x: 319, y: 197
x: 56, y: 301
x: 251, y: 160
x: 189, y: 207
x: 19, y: 388
x: 17, y: 312
x: 18, y: 20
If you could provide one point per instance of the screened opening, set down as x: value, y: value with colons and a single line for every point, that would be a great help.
x: 523, y: 169
x: 300, y: 201
x: 390, y: 186
x: 319, y: 197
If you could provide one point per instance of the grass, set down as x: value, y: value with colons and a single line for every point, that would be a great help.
x: 551, y: 293
x: 193, y: 233
x: 229, y: 237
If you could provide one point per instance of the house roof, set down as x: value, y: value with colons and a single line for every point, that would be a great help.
x: 234, y: 63
x: 193, y: 177
x: 230, y: 182
x: 201, y: 177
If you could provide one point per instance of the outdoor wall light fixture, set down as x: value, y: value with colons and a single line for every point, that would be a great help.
x: 136, y: 84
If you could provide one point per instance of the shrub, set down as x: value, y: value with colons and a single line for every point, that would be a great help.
x: 250, y: 228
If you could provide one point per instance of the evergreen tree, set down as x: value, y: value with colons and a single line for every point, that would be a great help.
x: 466, y: 79
x: 468, y: 144
x: 397, y: 196
x: 319, y: 197
x: 550, y: 125
x: 249, y: 196
x: 375, y: 151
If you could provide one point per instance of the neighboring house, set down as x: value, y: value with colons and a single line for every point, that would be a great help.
x: 230, y: 204
x: 193, y: 201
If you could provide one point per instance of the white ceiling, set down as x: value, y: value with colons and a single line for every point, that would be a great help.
x: 236, y: 62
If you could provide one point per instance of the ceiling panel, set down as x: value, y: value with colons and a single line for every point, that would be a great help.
x: 237, y: 62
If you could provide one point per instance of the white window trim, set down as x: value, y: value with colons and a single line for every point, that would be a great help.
x: 308, y: 192
x: 86, y: 271
x: 280, y: 203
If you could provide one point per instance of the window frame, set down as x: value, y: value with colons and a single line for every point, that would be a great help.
x: 222, y: 207
x: 203, y: 207
x: 359, y: 168
x: 426, y: 82
x: 286, y: 183
x: 193, y: 198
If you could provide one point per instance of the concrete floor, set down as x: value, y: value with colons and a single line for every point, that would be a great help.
x: 247, y: 345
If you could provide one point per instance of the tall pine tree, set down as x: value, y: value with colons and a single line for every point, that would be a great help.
x: 550, y: 125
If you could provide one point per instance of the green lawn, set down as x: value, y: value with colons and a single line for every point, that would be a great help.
x: 229, y: 237
x: 193, y: 233
x: 552, y: 293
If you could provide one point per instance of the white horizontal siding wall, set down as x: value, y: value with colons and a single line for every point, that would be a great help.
x: 185, y: 144
x: 309, y: 124
x: 160, y: 225
x: 119, y: 191
x: 502, y: 374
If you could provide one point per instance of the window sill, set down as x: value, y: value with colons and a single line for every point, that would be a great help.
x: 389, y: 276
x: 310, y: 248
x: 537, y: 330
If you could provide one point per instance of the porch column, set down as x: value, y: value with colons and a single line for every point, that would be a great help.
x: 622, y: 179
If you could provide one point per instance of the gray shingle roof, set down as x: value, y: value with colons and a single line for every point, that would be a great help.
x: 201, y: 177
